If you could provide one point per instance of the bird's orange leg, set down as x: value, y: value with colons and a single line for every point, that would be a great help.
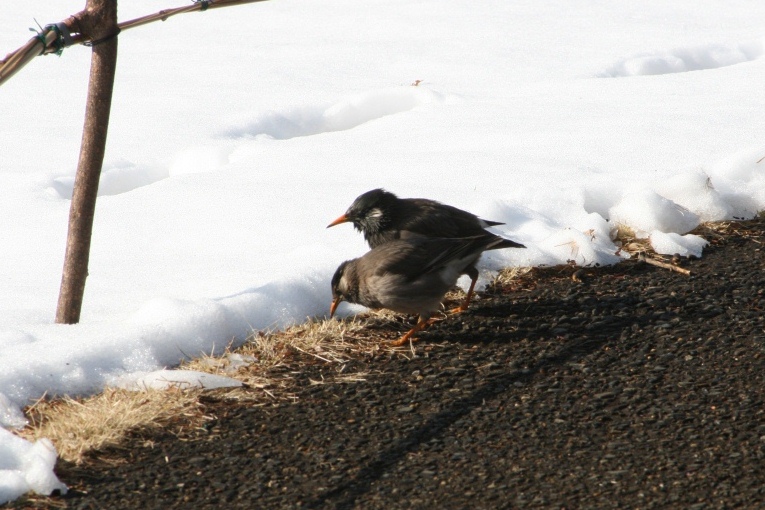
x: 421, y: 324
x: 466, y: 303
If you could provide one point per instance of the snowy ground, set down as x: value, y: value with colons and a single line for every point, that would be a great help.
x: 238, y: 134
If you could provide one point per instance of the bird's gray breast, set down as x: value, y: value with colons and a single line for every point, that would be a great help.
x: 400, y: 294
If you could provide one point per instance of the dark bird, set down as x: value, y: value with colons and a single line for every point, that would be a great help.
x: 410, y: 275
x: 383, y: 217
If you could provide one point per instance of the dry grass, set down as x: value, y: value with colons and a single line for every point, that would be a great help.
x: 628, y: 241
x: 83, y: 425
x: 329, y: 341
x: 78, y: 426
x: 507, y: 276
x: 750, y: 229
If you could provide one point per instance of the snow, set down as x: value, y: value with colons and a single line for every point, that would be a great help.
x: 646, y: 210
x: 26, y: 467
x: 179, y: 379
x: 674, y: 243
x: 238, y: 134
x: 679, y: 60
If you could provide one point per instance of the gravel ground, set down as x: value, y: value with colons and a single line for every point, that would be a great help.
x: 635, y: 387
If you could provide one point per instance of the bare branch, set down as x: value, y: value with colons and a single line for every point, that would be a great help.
x: 14, y: 61
x: 643, y: 258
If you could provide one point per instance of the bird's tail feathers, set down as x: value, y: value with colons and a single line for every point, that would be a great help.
x: 505, y: 243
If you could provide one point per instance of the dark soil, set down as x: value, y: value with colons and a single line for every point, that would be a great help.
x: 635, y: 387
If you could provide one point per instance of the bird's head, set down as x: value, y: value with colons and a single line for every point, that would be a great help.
x: 339, y: 288
x: 370, y: 212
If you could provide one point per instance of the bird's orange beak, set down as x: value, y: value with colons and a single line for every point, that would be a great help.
x: 341, y: 219
x: 334, y: 304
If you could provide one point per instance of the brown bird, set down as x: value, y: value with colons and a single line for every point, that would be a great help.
x: 383, y: 217
x: 410, y: 275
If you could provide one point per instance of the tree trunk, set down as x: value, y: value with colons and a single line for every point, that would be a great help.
x: 98, y: 23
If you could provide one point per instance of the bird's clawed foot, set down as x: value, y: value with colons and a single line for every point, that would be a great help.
x: 421, y: 324
x: 463, y: 307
